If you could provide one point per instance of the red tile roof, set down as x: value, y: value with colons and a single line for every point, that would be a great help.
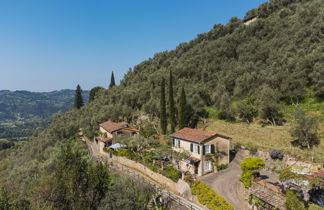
x: 194, y: 135
x: 111, y: 126
x: 108, y: 139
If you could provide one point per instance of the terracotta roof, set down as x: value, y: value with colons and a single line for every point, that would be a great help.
x: 104, y: 139
x: 111, y: 126
x: 194, y: 135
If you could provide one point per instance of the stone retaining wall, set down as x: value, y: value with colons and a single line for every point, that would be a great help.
x: 160, y: 179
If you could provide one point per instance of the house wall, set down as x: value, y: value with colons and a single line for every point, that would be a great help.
x: 104, y: 131
x: 221, y: 145
x: 185, y: 146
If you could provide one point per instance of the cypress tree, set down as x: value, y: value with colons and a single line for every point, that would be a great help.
x: 163, y: 117
x: 172, y: 117
x: 78, y: 100
x: 112, y: 80
x: 182, y: 109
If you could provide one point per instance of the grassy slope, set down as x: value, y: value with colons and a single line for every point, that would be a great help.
x: 272, y: 137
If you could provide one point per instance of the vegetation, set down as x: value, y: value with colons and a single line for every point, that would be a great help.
x: 163, y: 115
x: 78, y: 99
x: 248, y: 166
x: 276, y: 154
x: 93, y: 92
x: 266, y: 138
x: 24, y: 113
x: 148, y: 152
x: 305, y: 130
x: 182, y: 109
x: 209, y: 197
x: 286, y: 174
x: 112, y: 81
x: 5, y: 144
x: 278, y: 56
x: 293, y: 202
x: 172, y: 114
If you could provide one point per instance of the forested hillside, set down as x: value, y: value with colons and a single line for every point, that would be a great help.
x: 277, y: 60
x: 22, y: 112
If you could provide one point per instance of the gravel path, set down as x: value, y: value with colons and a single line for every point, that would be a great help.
x: 226, y: 183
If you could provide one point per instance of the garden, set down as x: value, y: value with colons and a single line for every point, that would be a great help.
x: 147, y: 151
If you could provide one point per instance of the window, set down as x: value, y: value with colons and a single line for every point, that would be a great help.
x: 207, y: 165
x: 208, y: 149
x: 195, y: 148
x: 176, y: 143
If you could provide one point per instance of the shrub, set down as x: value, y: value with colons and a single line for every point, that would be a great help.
x: 252, y: 163
x: 248, y: 165
x: 171, y: 173
x: 222, y: 167
x: 207, y: 196
x: 276, y: 154
x: 246, y: 178
x: 293, y: 202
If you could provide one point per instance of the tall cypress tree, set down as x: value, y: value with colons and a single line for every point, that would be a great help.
x: 182, y: 109
x: 112, y: 80
x: 163, y: 117
x: 172, y: 117
x: 78, y: 100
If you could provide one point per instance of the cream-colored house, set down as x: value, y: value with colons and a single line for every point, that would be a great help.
x: 201, y: 145
x: 109, y: 131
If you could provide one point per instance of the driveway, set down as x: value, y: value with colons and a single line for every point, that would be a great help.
x: 226, y: 182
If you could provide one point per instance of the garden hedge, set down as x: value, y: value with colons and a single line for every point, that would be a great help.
x: 207, y: 196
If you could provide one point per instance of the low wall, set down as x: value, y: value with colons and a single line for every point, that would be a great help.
x: 162, y: 180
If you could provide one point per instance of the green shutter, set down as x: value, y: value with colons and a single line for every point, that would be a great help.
x: 173, y: 142
x: 212, y: 149
x: 198, y: 149
x: 179, y: 143
x: 203, y: 149
x: 191, y: 147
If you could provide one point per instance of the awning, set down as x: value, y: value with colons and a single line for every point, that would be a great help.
x: 117, y: 146
x: 193, y: 160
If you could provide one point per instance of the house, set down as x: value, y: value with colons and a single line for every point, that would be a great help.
x: 109, y: 131
x: 201, y: 145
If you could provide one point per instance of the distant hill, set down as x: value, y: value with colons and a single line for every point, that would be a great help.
x: 22, y: 112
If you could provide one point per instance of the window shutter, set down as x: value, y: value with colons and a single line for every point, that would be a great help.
x: 191, y: 147
x: 179, y: 143
x: 212, y: 149
x: 204, y: 149
x: 173, y: 142
x: 198, y: 149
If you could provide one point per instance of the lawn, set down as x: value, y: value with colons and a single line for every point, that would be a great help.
x: 265, y: 138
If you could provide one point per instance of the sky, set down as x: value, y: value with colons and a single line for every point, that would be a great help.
x: 50, y: 45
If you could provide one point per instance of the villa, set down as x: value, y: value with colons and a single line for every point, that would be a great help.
x: 202, y: 145
x: 109, y: 131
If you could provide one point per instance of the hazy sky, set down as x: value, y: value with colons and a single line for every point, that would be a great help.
x: 56, y: 44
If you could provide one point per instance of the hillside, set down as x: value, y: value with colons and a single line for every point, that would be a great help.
x: 22, y: 112
x: 281, y: 53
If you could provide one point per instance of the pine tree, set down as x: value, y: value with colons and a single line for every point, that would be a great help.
x: 112, y: 80
x: 182, y: 109
x: 172, y: 117
x: 163, y: 117
x: 78, y: 100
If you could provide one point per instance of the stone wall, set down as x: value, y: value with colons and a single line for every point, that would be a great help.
x: 160, y: 179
